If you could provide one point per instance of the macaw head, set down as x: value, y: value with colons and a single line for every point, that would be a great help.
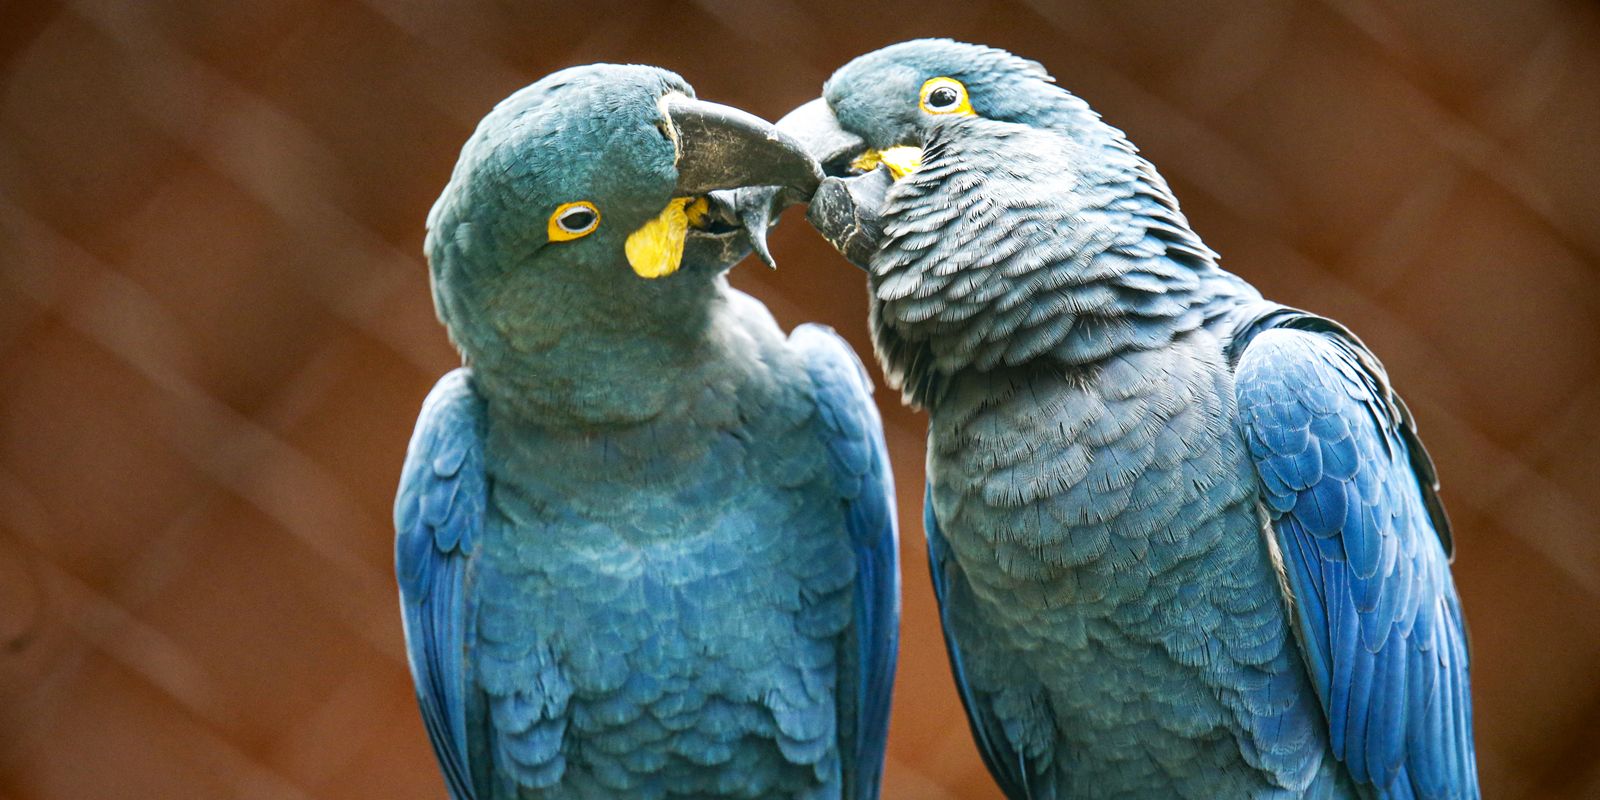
x: 881, y: 107
x: 999, y: 219
x: 590, y: 201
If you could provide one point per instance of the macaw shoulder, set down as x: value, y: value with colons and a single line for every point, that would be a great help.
x: 772, y: 378
x: 812, y: 370
x: 752, y: 313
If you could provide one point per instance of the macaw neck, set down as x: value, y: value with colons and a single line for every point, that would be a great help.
x: 608, y: 374
x: 554, y: 453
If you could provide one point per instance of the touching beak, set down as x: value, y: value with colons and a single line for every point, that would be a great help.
x: 839, y: 150
x: 831, y: 148
x: 818, y: 131
x: 721, y: 147
x: 718, y: 148
x: 847, y: 210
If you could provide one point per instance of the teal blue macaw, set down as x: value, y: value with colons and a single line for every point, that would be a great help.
x: 1185, y: 541
x: 645, y: 543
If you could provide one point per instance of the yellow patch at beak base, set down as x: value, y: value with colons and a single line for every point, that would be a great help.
x: 696, y: 210
x: 901, y: 160
x: 655, y: 250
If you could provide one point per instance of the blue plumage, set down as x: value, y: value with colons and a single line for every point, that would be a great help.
x: 645, y: 543
x: 1377, y: 611
x: 1185, y: 541
x: 438, y: 520
x: 860, y: 460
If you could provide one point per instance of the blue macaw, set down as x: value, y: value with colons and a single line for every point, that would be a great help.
x: 645, y: 543
x: 1186, y: 542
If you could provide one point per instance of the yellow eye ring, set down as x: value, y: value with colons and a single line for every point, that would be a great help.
x: 944, y: 96
x: 572, y: 221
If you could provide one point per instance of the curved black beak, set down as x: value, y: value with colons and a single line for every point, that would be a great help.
x: 817, y: 129
x: 846, y: 210
x: 721, y: 147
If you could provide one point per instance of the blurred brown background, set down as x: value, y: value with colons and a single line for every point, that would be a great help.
x: 215, y: 333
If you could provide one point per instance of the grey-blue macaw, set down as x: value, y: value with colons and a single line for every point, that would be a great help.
x: 645, y: 543
x: 1185, y: 541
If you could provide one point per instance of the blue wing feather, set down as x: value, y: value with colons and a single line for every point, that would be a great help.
x: 1366, y: 548
x: 1017, y: 777
x: 438, y: 517
x: 860, y: 462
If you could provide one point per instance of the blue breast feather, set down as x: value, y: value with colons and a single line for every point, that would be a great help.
x: 439, y: 517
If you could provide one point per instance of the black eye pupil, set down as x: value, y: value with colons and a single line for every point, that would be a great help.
x: 942, y: 97
x: 577, y: 219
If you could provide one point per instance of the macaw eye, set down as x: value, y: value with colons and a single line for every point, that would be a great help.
x: 945, y: 96
x: 573, y: 221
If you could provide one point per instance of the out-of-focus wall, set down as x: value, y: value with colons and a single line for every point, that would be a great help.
x: 215, y: 332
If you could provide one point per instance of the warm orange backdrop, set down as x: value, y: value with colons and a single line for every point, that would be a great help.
x: 215, y: 332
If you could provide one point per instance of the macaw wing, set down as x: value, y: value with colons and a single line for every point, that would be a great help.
x: 860, y: 462
x: 438, y: 517
x: 1021, y: 775
x: 1365, y: 547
